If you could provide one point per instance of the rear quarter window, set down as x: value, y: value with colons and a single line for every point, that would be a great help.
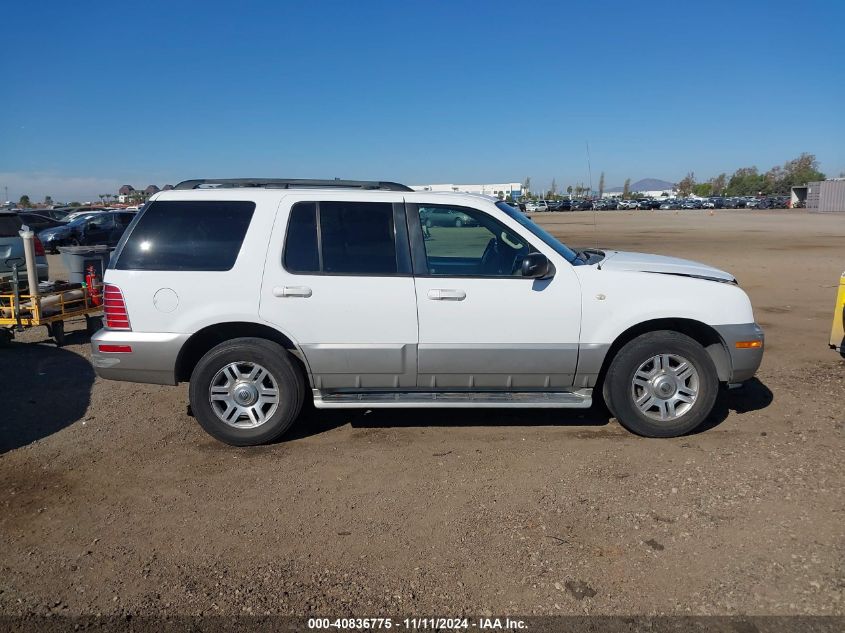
x: 187, y: 235
x: 10, y: 225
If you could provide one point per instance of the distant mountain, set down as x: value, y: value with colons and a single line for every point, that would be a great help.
x: 646, y: 184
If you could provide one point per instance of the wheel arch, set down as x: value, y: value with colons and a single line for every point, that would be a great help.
x: 210, y: 336
x: 700, y: 332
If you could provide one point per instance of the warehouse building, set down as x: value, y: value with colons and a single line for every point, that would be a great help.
x: 826, y: 196
x: 499, y: 190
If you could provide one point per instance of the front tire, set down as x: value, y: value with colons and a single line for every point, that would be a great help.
x: 661, y: 384
x: 246, y: 391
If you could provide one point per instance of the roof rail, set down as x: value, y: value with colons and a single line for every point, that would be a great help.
x: 289, y: 183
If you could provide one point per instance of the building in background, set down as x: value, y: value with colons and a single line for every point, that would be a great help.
x: 825, y: 196
x: 499, y: 190
x: 649, y: 187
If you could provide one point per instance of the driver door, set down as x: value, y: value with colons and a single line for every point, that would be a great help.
x: 481, y: 324
x: 98, y: 229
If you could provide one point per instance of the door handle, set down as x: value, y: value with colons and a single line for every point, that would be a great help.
x: 292, y: 291
x: 446, y: 294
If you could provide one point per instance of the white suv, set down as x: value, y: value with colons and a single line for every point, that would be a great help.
x: 257, y: 291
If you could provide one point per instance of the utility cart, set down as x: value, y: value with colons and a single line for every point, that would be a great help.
x: 54, y: 304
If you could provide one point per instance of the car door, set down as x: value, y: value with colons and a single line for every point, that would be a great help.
x: 98, y: 229
x: 481, y: 324
x: 338, y: 280
x: 121, y: 222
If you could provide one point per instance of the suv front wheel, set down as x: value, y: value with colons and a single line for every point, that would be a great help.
x: 661, y: 384
x: 246, y: 391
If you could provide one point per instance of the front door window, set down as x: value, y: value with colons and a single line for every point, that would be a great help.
x: 464, y: 242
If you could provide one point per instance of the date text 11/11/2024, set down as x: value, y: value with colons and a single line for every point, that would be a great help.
x: 417, y: 623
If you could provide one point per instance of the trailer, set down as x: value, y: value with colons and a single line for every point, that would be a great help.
x: 51, y: 308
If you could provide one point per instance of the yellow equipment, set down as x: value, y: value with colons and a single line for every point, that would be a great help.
x: 837, y: 332
x: 52, y: 308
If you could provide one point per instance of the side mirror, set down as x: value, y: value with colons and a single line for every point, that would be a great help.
x: 537, y: 266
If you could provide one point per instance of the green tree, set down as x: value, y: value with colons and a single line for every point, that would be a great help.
x: 799, y: 171
x: 626, y: 188
x: 526, y: 186
x: 48, y: 200
x: 75, y: 204
x: 569, y: 190
x: 703, y: 189
x: 718, y: 184
x: 746, y: 181
x: 24, y: 202
x: 601, y: 185
x: 686, y: 184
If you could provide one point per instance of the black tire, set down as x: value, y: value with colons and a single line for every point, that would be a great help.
x: 93, y: 324
x: 74, y: 241
x: 276, y: 360
x: 618, y: 392
x: 57, y: 331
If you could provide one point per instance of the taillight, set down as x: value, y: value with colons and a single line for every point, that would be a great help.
x: 114, y: 308
x: 39, y: 248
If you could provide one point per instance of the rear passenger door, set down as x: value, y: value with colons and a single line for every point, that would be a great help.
x: 338, y: 280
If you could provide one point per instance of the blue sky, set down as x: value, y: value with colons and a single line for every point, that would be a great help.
x: 98, y: 94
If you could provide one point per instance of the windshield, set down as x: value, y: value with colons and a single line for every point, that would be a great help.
x: 561, y: 249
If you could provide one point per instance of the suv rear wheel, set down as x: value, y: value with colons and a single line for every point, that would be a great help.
x: 246, y: 391
x: 661, y: 384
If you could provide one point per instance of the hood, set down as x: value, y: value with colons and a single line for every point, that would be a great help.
x: 52, y: 232
x: 644, y: 262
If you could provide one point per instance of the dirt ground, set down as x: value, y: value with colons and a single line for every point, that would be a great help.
x: 114, y: 501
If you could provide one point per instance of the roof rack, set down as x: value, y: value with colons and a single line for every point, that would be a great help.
x: 289, y: 183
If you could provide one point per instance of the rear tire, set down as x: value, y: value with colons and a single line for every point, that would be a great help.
x: 661, y: 384
x: 246, y: 391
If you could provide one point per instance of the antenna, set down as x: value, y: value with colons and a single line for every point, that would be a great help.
x: 590, y: 175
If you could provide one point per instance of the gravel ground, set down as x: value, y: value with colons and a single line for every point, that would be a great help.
x: 115, y: 502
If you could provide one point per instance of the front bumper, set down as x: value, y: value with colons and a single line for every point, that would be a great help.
x: 152, y: 359
x: 744, y: 361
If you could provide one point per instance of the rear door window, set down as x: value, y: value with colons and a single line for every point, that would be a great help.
x: 10, y: 225
x: 341, y: 238
x: 187, y: 235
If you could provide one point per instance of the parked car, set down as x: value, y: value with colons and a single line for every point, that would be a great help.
x: 772, y: 202
x: 70, y: 217
x: 38, y: 222
x: 560, y: 205
x: 532, y: 206
x: 539, y: 205
x: 628, y: 204
x: 260, y: 296
x: 11, y: 248
x: 99, y: 229
x: 436, y: 216
x: 582, y: 205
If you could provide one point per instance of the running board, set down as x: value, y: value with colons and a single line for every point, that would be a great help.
x: 580, y: 399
